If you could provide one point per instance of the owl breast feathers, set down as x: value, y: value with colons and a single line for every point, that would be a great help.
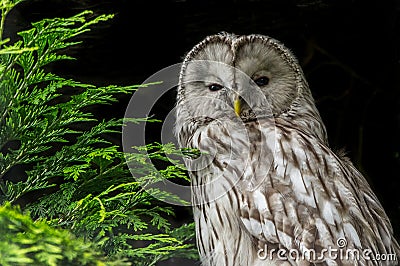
x: 267, y: 189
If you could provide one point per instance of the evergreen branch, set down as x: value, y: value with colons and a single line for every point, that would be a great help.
x: 6, y: 6
x: 24, y: 242
x: 61, y: 31
x: 98, y: 197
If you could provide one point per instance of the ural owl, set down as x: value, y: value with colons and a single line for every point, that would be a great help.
x: 266, y: 188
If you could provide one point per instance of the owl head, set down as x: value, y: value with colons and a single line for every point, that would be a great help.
x: 247, y: 77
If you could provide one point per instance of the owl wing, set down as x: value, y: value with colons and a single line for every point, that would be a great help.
x: 308, y: 199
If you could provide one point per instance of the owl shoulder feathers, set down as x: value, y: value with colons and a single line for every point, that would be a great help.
x: 311, y: 199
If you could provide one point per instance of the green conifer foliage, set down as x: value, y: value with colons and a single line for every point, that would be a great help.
x: 81, y: 204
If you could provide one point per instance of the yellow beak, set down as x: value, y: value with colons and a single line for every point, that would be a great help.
x: 237, y: 105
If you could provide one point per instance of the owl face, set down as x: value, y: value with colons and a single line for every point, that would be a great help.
x: 264, y: 64
x: 238, y: 76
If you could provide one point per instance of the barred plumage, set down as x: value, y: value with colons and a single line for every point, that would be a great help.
x: 267, y: 178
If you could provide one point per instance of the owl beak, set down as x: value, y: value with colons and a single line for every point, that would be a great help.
x: 237, y: 105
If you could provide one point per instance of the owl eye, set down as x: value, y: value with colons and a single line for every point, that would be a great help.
x: 262, y: 81
x: 215, y: 87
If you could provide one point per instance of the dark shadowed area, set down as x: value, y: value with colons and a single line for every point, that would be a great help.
x: 349, y: 50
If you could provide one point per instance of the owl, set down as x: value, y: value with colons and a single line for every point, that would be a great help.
x: 266, y: 187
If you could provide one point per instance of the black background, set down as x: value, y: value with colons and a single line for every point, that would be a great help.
x: 349, y: 51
